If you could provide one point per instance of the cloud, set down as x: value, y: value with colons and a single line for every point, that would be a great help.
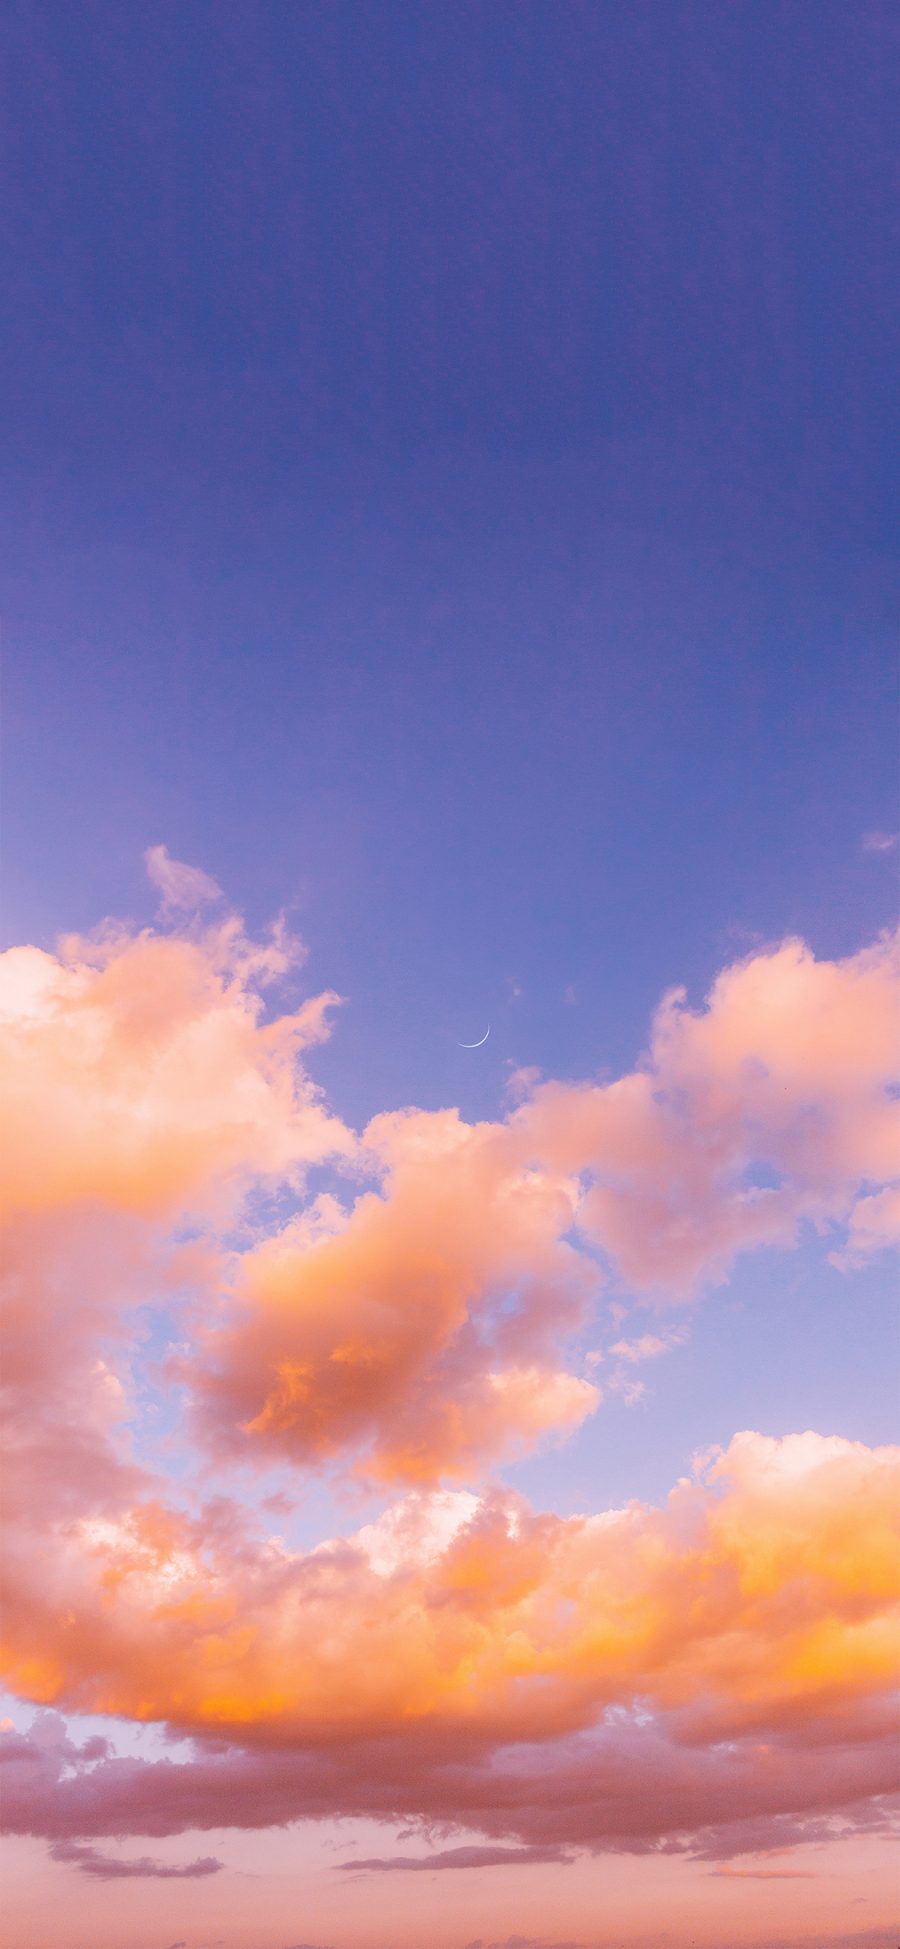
x: 710, y: 1676
x: 138, y: 1077
x: 732, y: 1873
x: 707, y: 1676
x: 648, y: 1347
x: 764, y: 1589
x: 459, y: 1857
x: 524, y: 1942
x: 181, y: 886
x: 846, y: 1939
x: 148, y: 1102
x: 624, y: 1786
x: 874, y: 1226
x: 784, y: 1069
x: 880, y: 842
x: 421, y: 1332
x: 424, y: 1332
x: 108, y: 1867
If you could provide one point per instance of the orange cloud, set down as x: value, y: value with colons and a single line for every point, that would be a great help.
x: 426, y: 1325
x: 767, y: 1589
x: 713, y: 1672
x: 417, y: 1335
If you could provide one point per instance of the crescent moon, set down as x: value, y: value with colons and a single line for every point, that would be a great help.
x: 476, y: 1045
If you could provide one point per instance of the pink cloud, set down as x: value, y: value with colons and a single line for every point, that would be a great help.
x: 137, y: 1075
x: 394, y: 1335
x: 423, y: 1331
x: 786, y: 1070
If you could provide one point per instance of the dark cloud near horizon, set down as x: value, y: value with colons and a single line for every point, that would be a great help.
x: 622, y: 1787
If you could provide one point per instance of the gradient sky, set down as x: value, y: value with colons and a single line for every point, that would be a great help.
x: 449, y: 579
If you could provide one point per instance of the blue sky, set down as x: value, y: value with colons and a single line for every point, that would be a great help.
x: 448, y: 495
x: 448, y: 483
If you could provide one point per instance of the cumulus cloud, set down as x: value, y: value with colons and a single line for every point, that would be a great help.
x: 110, y: 1867
x: 425, y: 1330
x: 137, y: 1076
x: 752, y: 1621
x: 145, y: 1100
x: 873, y: 1226
x: 785, y: 1074
x: 708, y: 1675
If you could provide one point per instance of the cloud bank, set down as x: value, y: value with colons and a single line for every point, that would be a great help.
x: 711, y: 1675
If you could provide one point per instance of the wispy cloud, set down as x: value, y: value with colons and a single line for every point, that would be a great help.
x: 524, y: 1942
x: 880, y: 842
x: 460, y: 1857
x: 731, y: 1873
x: 109, y: 1867
x: 181, y: 886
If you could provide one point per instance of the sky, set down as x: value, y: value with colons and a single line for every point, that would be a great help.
x: 449, y: 998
